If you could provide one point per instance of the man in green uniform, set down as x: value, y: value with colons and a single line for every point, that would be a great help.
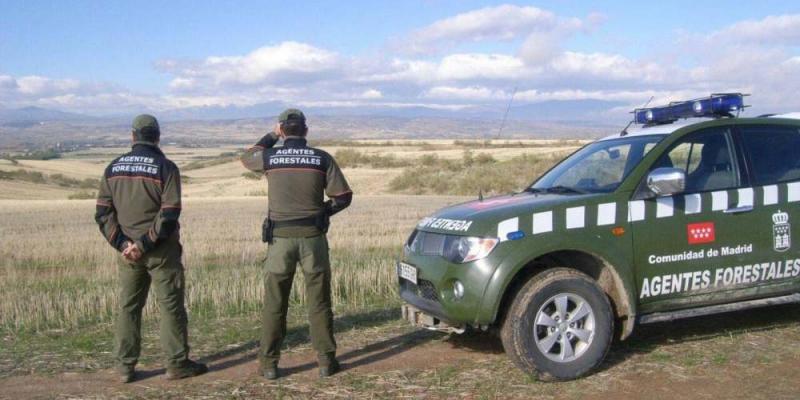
x: 138, y: 206
x: 298, y: 178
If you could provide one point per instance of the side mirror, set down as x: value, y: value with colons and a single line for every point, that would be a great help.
x: 666, y: 181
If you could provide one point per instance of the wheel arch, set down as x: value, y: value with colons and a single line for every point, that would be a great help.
x: 596, y: 267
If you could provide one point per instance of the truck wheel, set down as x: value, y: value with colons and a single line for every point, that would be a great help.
x: 559, y: 326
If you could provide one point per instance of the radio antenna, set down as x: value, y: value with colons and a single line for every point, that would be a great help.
x: 505, y: 116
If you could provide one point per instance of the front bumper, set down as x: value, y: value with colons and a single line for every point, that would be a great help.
x: 433, y: 293
x: 423, y: 298
x: 418, y: 318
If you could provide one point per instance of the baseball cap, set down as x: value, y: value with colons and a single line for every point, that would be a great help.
x: 145, y: 127
x: 292, y: 114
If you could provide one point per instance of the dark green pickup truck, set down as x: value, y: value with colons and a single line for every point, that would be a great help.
x: 673, y: 219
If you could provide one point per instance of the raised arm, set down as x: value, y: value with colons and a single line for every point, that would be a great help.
x: 253, y: 158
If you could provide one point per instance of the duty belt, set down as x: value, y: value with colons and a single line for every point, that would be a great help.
x: 309, y: 221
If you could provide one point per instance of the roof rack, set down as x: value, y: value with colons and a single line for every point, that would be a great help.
x: 717, y: 105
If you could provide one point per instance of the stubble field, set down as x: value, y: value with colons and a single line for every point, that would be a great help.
x: 58, y: 290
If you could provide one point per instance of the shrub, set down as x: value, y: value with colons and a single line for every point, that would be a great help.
x: 484, y: 158
x: 350, y: 158
x: 223, y: 158
x: 48, y: 154
x: 89, y: 183
x: 23, y: 175
x: 252, y: 175
x: 487, y: 176
x: 82, y: 195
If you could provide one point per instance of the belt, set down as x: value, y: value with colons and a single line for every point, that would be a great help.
x: 309, y: 221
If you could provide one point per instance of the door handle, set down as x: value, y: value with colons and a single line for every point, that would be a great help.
x: 739, y: 210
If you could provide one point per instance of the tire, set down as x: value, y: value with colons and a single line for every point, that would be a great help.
x: 574, y: 350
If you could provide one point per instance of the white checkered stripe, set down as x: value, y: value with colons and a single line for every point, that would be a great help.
x: 636, y: 211
x: 507, y: 226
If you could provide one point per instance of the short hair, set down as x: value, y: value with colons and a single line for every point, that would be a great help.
x: 294, y: 128
x: 147, y: 134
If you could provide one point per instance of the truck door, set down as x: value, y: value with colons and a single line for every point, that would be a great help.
x: 683, y: 241
x: 772, y: 158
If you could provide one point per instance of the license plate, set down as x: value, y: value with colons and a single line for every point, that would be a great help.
x: 407, y: 272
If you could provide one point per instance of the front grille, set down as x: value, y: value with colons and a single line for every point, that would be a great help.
x: 427, y: 290
x: 423, y: 288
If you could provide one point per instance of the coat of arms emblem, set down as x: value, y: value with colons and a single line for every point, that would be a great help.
x: 781, y: 231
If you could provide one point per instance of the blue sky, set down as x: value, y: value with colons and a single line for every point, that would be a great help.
x: 105, y: 57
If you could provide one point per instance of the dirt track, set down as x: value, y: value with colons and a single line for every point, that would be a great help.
x: 397, y: 361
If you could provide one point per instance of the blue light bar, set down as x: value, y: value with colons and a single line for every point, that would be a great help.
x: 714, y: 106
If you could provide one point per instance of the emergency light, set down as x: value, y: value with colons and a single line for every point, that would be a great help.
x: 715, y: 106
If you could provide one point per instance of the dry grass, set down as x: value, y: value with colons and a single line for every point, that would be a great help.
x: 210, y: 178
x: 58, y: 272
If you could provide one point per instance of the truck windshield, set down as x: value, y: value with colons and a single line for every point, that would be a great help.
x: 599, y: 167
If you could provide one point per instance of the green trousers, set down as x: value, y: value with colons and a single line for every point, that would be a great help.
x: 162, y: 268
x: 282, y: 258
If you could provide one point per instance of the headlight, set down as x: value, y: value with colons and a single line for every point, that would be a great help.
x: 462, y: 249
x: 411, y: 243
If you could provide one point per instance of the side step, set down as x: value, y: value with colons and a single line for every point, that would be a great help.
x: 718, y: 309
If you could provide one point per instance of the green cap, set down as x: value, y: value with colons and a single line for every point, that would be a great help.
x: 145, y: 127
x: 292, y: 114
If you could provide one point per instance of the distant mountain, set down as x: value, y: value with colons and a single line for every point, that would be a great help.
x: 573, y: 111
x: 222, y: 112
x: 31, y: 115
x: 569, y: 111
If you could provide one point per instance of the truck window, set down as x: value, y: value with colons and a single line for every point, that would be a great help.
x: 707, y: 159
x: 773, y: 153
x: 599, y: 167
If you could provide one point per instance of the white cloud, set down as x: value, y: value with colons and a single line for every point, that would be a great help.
x: 481, y: 66
x: 774, y: 29
x: 397, y: 105
x: 498, y: 23
x: 608, y: 67
x: 181, y: 83
x: 454, y: 67
x: 634, y: 97
x: 370, y: 94
x: 34, y: 85
x: 759, y: 56
x: 540, y: 48
x: 268, y: 64
x: 471, y: 93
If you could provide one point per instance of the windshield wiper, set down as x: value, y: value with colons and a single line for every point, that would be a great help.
x: 564, y: 190
x: 534, y: 190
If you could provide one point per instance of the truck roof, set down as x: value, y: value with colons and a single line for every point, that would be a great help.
x: 667, y: 129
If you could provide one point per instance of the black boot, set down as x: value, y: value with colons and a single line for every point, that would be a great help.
x: 330, y: 369
x: 186, y: 370
x: 270, y: 373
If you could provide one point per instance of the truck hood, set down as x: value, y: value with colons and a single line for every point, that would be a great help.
x: 480, y: 217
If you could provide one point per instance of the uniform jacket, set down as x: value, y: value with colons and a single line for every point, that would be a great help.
x: 298, y: 177
x: 139, y: 198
